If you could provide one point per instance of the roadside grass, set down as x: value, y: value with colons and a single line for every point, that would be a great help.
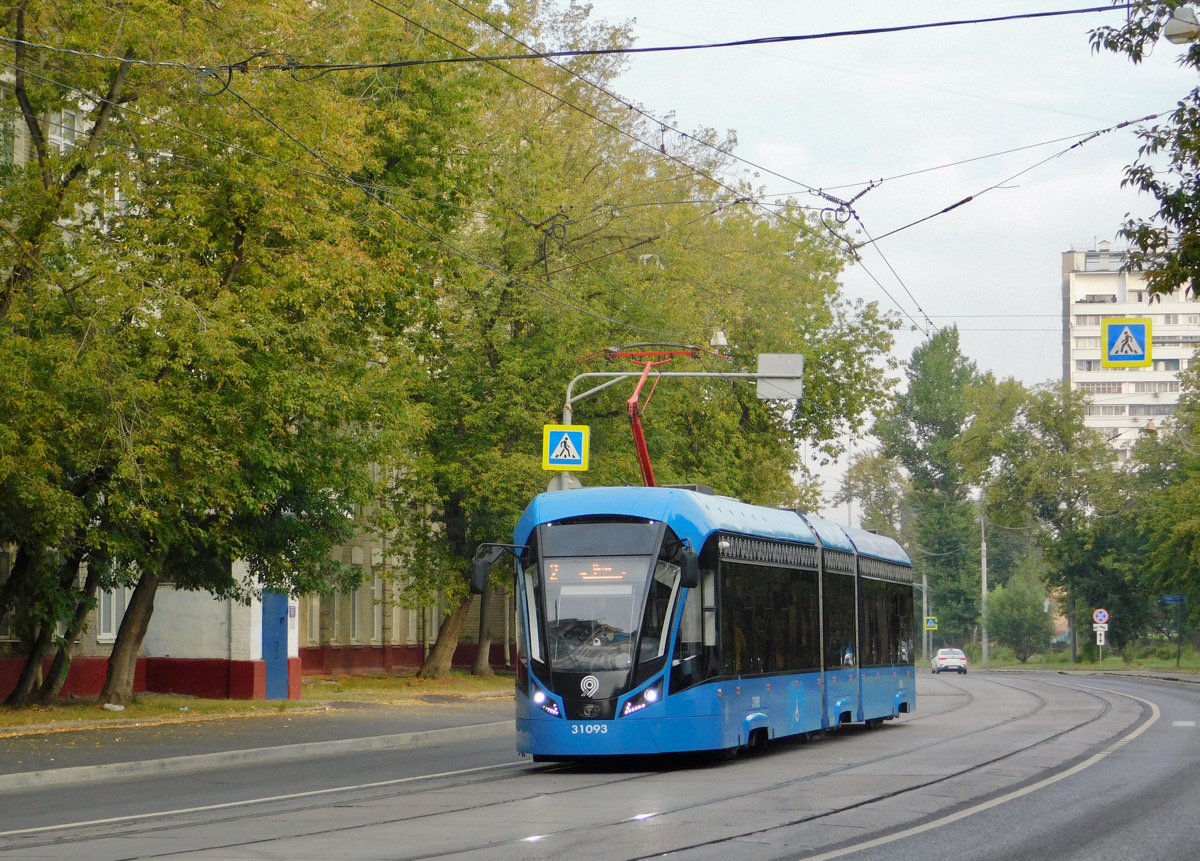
x: 391, y: 687
x: 315, y: 690
x: 1158, y: 660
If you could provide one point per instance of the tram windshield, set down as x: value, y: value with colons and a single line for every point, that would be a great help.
x: 593, y: 605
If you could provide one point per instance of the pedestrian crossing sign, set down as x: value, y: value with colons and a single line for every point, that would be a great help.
x: 1126, y: 342
x: 565, y: 447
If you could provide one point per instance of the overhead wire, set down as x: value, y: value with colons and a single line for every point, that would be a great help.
x: 627, y: 104
x: 978, y: 194
x: 294, y: 66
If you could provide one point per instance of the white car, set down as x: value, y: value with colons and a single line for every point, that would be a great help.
x: 949, y: 659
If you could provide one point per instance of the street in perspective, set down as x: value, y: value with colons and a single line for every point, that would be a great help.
x: 522, y: 430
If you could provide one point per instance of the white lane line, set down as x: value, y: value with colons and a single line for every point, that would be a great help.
x: 182, y: 811
x: 1183, y: 723
x: 1155, y: 713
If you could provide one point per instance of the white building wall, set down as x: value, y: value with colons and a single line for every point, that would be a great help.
x: 187, y: 625
x: 1123, y: 400
x: 293, y: 628
x: 245, y: 623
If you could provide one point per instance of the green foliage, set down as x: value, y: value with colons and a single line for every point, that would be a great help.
x: 592, y: 239
x: 923, y: 431
x: 1017, y: 616
x: 204, y: 330
x: 1166, y: 247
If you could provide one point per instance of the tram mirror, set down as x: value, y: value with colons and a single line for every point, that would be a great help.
x: 481, y: 566
x: 689, y: 575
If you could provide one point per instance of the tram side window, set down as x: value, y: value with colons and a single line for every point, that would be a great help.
x: 769, y: 619
x: 695, y: 657
x: 902, y: 613
x: 886, y: 623
x: 878, y: 637
x: 839, y: 621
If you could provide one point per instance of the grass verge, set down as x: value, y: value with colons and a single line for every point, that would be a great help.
x: 315, y: 690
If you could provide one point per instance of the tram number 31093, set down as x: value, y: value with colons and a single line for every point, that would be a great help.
x: 589, y: 728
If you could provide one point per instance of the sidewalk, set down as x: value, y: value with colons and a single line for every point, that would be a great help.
x: 42, y: 757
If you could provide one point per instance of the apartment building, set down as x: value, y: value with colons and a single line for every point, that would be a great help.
x: 1123, y: 400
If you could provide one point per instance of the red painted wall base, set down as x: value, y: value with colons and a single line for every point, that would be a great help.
x: 348, y: 660
x: 210, y: 678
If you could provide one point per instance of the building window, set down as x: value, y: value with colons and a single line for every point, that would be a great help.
x: 1088, y: 365
x: 1192, y: 319
x: 110, y: 609
x: 1100, y: 388
x: 1106, y: 410
x: 1087, y: 343
x: 1166, y: 364
x: 1152, y: 410
x: 354, y: 627
x: 1087, y: 319
x: 377, y: 610
x: 1144, y: 388
x: 1099, y: 298
x: 1170, y: 319
x: 314, y: 620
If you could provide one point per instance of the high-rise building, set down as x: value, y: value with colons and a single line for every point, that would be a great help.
x: 1123, y: 400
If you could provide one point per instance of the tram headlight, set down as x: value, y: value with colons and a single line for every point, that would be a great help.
x: 542, y: 700
x: 647, y: 697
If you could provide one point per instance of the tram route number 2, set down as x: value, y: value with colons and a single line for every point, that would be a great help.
x: 589, y: 728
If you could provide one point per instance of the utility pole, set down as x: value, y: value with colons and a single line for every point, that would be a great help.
x: 983, y: 576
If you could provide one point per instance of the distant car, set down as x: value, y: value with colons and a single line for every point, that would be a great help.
x: 949, y: 659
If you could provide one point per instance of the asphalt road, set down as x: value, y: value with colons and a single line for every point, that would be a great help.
x: 993, y: 765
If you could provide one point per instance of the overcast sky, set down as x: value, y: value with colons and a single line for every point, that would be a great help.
x: 837, y: 113
x: 840, y: 112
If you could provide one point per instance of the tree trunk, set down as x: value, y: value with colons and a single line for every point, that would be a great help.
x: 482, y: 665
x: 52, y: 686
x: 18, y: 573
x: 31, y: 673
x: 122, y: 664
x: 442, y: 653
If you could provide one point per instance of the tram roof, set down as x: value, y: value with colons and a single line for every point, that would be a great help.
x: 830, y: 533
x: 879, y: 546
x: 691, y: 515
x: 848, y: 538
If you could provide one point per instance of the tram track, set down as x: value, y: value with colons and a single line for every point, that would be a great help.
x: 358, y: 795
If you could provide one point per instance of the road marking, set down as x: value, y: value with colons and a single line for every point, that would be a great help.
x: 1183, y: 723
x: 1004, y: 799
x: 291, y: 796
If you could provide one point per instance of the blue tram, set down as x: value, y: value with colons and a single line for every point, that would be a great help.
x: 663, y: 620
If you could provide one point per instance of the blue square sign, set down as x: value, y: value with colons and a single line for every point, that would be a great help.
x: 1126, y: 342
x: 565, y: 447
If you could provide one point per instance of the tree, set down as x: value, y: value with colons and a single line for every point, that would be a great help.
x: 881, y: 490
x: 1166, y: 247
x: 1163, y: 491
x: 592, y: 239
x: 1017, y: 615
x: 205, y: 322
x: 925, y: 430
x: 1050, y: 471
